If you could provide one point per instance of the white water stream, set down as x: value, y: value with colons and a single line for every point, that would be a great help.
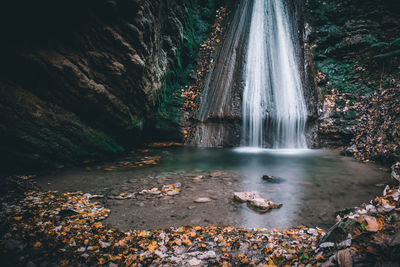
x: 274, y: 109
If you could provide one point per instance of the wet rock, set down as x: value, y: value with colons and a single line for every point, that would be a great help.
x: 262, y: 205
x: 202, y: 200
x: 339, y: 232
x: 395, y: 240
x: 272, y: 179
x: 245, y: 196
x: 344, y: 258
x: 396, y: 172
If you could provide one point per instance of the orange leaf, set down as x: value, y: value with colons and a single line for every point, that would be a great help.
x: 37, y: 244
x: 153, y: 246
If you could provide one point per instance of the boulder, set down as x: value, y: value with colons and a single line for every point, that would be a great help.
x: 245, y: 196
x: 262, y: 205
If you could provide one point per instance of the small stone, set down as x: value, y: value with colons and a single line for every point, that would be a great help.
x: 198, y: 179
x: 194, y: 262
x: 191, y: 207
x: 202, y: 200
x: 272, y: 179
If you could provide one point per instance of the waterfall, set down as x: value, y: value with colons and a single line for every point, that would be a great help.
x: 274, y: 109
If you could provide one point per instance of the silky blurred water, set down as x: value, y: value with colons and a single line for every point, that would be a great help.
x: 274, y: 109
x: 315, y: 183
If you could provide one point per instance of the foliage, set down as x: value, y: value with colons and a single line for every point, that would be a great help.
x: 196, y: 30
x: 339, y: 73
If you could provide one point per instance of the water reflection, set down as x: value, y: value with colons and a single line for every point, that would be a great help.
x: 316, y: 183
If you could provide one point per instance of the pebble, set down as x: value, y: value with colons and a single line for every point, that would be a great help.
x: 198, y: 179
x: 202, y: 200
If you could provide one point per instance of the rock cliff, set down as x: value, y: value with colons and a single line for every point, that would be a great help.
x: 355, y: 47
x: 83, y: 80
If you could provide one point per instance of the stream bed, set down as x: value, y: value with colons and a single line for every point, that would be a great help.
x: 313, y: 186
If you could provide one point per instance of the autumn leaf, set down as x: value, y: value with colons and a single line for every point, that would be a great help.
x: 153, y: 246
x: 38, y: 244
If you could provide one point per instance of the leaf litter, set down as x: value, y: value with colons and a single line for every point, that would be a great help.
x: 67, y: 229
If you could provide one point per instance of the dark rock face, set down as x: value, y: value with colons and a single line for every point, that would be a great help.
x: 353, y: 45
x: 78, y: 87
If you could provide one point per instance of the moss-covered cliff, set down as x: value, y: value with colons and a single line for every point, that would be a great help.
x: 356, y: 48
x: 87, y: 79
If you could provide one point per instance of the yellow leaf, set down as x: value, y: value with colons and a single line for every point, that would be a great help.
x: 98, y: 225
x: 37, y: 244
x: 153, y: 246
x: 18, y: 218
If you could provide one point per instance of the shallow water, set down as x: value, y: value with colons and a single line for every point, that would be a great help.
x: 315, y: 185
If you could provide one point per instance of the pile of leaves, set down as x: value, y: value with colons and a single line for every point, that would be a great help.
x: 378, y: 130
x: 66, y: 229
x: 192, y: 93
x: 366, y: 235
x: 145, y: 161
x: 164, y: 144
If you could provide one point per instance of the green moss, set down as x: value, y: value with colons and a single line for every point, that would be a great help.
x: 106, y: 143
x: 196, y: 30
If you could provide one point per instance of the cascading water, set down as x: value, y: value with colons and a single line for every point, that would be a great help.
x: 274, y: 109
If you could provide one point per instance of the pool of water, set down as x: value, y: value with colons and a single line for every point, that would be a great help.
x: 314, y: 185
